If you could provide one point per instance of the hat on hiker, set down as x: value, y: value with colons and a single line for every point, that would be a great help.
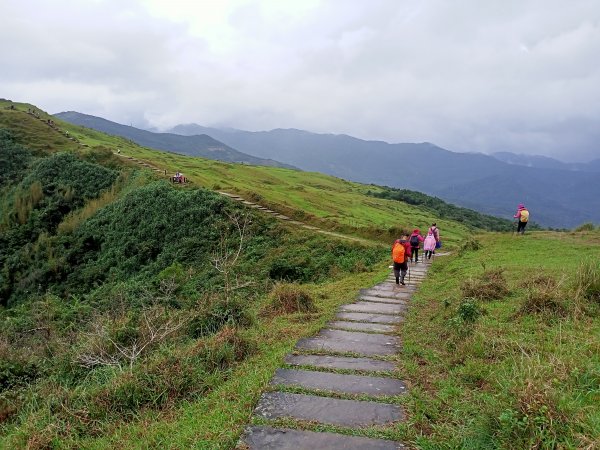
x: 416, y: 230
x: 521, y: 206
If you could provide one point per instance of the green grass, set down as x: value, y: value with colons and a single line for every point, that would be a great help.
x: 511, y: 380
x: 312, y: 197
x: 216, y: 421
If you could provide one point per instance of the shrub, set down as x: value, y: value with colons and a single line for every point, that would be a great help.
x: 214, y: 312
x: 469, y: 245
x: 589, y: 226
x: 491, y: 285
x: 286, y: 298
x: 543, y: 296
x: 587, y: 281
x: 465, y: 318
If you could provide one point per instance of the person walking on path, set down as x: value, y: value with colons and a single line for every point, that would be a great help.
x: 400, y: 255
x: 429, y: 244
x: 415, y: 242
x: 522, y: 217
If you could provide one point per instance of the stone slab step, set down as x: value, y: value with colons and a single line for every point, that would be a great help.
x: 348, y: 413
x: 268, y: 438
x: 340, y: 362
x: 357, y: 336
x: 329, y: 345
x: 376, y: 299
x: 372, y: 307
x: 401, y: 294
x: 360, y: 326
x: 371, y: 318
x: 339, y: 383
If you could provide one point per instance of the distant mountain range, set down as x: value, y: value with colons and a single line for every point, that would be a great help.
x: 556, y: 195
x: 544, y: 162
x: 196, y: 145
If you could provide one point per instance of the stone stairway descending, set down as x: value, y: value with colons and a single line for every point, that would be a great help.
x: 357, y: 342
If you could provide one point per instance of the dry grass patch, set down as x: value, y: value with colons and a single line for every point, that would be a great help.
x: 287, y: 298
x: 490, y: 285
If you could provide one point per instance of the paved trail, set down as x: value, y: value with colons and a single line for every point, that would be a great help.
x: 357, y: 342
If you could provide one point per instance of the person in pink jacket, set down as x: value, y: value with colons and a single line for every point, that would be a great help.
x: 415, y: 242
x: 429, y: 244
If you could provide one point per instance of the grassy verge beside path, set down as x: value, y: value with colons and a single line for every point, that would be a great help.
x: 216, y: 420
x: 518, y: 371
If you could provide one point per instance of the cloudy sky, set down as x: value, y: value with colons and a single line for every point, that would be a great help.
x: 468, y: 75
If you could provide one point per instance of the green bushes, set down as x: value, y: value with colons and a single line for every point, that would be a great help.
x: 445, y: 210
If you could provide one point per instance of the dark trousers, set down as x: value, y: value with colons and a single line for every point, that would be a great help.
x: 428, y: 254
x: 400, y: 270
x: 521, y: 227
x: 415, y: 254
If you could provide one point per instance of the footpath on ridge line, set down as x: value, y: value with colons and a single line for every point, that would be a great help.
x: 358, y: 342
x: 250, y: 204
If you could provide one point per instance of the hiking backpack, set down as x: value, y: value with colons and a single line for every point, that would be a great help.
x: 524, y: 216
x: 398, y: 253
x: 414, y: 241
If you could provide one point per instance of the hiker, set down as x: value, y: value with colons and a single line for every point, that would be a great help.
x: 522, y: 217
x: 400, y: 255
x: 415, y: 242
x: 429, y: 244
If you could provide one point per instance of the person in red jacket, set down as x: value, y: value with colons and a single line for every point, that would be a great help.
x: 415, y: 242
x: 401, y: 251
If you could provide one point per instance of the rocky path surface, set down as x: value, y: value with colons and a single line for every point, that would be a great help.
x: 341, y: 377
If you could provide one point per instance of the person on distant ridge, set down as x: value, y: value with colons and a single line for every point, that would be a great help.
x: 415, y: 242
x: 522, y: 217
x: 400, y: 255
x: 429, y: 244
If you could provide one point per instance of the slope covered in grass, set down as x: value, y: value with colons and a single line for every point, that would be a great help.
x: 502, y: 345
x: 313, y: 197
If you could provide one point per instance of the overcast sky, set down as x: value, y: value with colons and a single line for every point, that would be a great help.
x: 468, y: 75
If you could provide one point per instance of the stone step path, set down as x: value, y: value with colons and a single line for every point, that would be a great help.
x: 340, y: 377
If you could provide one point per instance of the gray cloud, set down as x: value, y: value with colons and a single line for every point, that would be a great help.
x: 521, y: 76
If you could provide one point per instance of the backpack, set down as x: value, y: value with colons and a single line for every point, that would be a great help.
x: 398, y: 253
x: 414, y: 240
x: 524, y: 216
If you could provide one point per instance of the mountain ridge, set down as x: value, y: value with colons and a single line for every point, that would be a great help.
x: 196, y: 145
x: 461, y: 178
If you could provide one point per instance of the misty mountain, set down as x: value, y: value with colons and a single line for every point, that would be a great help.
x: 557, y: 197
x: 544, y: 162
x: 198, y: 145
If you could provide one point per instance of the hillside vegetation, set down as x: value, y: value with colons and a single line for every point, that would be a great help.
x: 124, y: 297
x: 503, y: 345
x: 135, y: 313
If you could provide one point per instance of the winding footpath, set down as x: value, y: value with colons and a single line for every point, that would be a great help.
x: 310, y: 388
x: 253, y: 205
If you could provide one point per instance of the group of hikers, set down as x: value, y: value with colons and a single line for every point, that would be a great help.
x: 407, y: 248
x: 178, y: 178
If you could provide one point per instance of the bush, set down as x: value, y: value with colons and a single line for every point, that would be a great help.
x: 589, y: 226
x: 587, y: 281
x: 214, y: 312
x: 286, y: 298
x: 543, y: 296
x: 491, y: 285
x: 470, y: 245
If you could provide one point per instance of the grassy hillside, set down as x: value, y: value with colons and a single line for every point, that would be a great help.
x: 321, y: 199
x: 124, y: 299
x: 128, y: 320
x: 502, y: 345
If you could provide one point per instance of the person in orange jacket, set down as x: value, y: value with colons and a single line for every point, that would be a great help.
x: 401, y: 251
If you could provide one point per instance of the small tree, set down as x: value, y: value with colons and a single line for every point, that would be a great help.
x: 228, y: 251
